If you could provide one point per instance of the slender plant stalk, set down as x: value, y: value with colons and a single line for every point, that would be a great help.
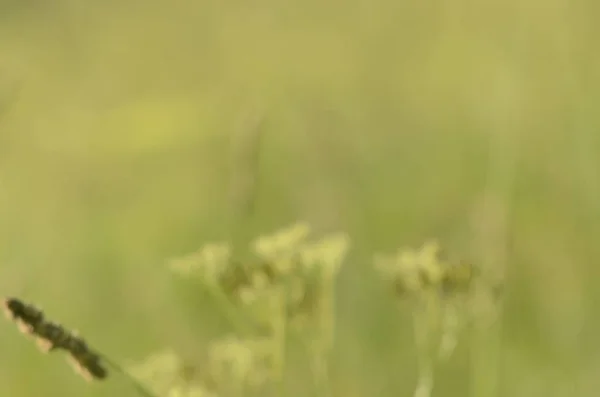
x: 490, y: 240
x: 319, y: 368
x: 452, y: 315
x: 425, y: 326
x: 142, y: 391
x: 486, y: 342
x: 320, y: 347
x: 279, y: 331
x: 244, y: 173
x: 236, y: 317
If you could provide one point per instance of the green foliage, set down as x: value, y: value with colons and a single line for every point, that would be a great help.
x: 441, y: 294
x: 289, y: 291
x: 286, y: 290
x: 392, y: 121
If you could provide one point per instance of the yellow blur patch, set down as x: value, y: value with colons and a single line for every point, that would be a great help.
x: 154, y: 124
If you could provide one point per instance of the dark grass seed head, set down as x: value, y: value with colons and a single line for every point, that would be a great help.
x: 88, y: 366
x: 15, y: 309
x: 51, y: 336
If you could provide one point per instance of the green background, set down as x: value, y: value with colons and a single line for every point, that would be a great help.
x: 124, y: 129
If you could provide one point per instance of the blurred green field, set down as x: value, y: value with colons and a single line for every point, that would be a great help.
x: 475, y: 122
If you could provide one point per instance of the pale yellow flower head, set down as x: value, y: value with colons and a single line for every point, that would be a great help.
x: 325, y: 255
x: 207, y: 263
x: 190, y: 391
x: 429, y: 261
x: 282, y: 243
x: 158, y: 371
x: 239, y: 360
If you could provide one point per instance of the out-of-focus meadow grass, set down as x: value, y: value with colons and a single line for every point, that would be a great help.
x: 393, y: 120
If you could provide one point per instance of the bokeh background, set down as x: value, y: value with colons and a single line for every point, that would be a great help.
x: 129, y: 135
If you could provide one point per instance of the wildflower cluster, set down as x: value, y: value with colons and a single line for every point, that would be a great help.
x: 439, y: 290
x: 51, y: 336
x: 286, y: 287
x: 413, y: 272
x: 167, y: 374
